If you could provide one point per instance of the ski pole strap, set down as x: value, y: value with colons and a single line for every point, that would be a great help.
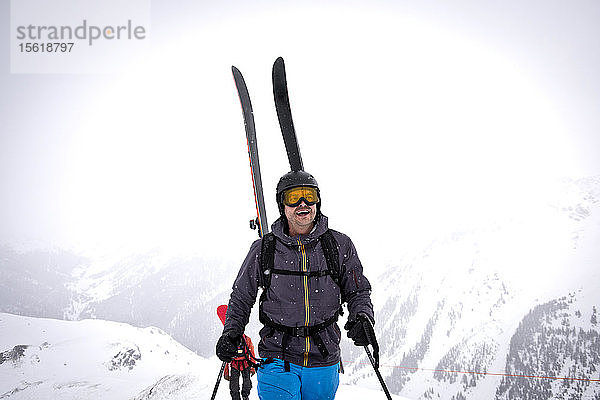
x: 255, y: 362
x: 252, y: 361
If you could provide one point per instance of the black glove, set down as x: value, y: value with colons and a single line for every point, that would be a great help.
x: 360, y: 330
x: 227, y: 346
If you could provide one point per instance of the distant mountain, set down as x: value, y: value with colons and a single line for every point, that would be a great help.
x: 518, y: 298
x: 35, y: 282
x: 178, y: 295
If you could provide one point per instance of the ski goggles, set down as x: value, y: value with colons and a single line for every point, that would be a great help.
x: 292, y: 197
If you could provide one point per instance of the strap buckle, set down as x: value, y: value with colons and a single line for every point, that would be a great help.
x: 301, y: 331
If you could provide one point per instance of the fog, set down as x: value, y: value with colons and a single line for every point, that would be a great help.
x: 417, y: 118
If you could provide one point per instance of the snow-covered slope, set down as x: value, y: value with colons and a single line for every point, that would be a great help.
x: 94, y: 360
x: 560, y: 338
x: 90, y: 359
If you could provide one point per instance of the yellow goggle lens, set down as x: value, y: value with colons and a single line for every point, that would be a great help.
x: 291, y: 197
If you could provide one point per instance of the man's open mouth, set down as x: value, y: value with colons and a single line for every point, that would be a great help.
x: 303, y: 212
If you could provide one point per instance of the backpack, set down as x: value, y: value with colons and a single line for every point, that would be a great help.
x: 267, y: 266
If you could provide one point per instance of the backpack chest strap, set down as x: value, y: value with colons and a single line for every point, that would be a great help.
x: 330, y: 251
x: 298, y: 331
x: 310, y: 274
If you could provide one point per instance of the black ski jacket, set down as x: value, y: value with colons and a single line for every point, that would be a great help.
x: 298, y: 301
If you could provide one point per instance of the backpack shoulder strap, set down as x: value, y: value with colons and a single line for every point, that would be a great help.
x: 267, y: 258
x: 332, y: 255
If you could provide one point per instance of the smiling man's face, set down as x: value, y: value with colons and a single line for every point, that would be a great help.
x: 300, y: 218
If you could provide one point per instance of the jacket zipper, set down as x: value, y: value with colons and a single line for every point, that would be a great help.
x: 304, y: 267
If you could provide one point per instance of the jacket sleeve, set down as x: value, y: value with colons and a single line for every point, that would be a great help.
x: 355, y: 287
x: 244, y: 291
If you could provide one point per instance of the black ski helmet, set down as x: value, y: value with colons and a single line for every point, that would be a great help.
x: 294, y: 179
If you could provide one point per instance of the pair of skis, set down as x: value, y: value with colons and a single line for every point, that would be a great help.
x: 284, y: 114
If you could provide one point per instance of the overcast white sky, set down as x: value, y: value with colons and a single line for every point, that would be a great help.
x: 414, y: 116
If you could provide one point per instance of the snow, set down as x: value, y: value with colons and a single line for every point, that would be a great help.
x: 95, y: 359
x: 445, y: 302
x: 87, y: 359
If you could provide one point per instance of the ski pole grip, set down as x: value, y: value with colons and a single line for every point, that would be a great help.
x: 369, y: 333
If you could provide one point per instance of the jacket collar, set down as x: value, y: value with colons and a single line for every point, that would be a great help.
x: 321, y: 225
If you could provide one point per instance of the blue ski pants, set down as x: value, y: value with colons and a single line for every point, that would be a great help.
x: 300, y: 383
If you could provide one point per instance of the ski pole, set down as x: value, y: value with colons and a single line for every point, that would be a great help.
x: 218, y: 380
x: 370, y: 333
x: 385, y: 389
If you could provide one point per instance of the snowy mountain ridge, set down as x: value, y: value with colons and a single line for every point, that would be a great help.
x: 147, y: 289
x: 45, y: 358
x: 459, y: 304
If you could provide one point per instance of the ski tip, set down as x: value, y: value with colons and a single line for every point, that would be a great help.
x: 222, y: 312
x: 279, y: 61
x: 237, y: 76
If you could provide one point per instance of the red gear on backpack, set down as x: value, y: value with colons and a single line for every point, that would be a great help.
x: 246, y: 351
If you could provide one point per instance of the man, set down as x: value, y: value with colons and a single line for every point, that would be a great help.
x: 306, y: 271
